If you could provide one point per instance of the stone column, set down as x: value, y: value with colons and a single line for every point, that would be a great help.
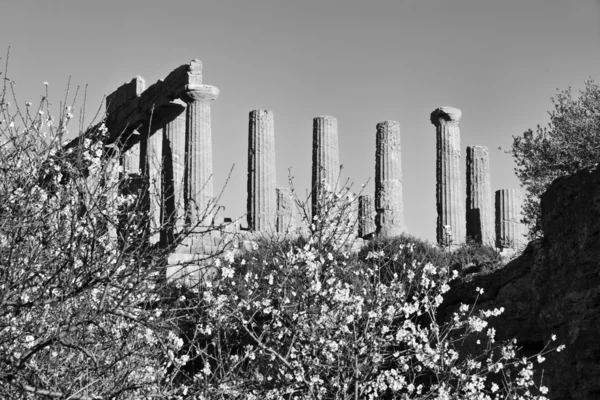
x: 510, y: 232
x: 152, y: 167
x: 285, y: 211
x: 198, y: 173
x: 451, y: 219
x: 173, y: 150
x: 366, y: 215
x: 389, y: 219
x: 480, y: 217
x: 262, y: 198
x: 325, y: 158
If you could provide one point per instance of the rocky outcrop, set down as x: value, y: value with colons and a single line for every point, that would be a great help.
x: 552, y: 288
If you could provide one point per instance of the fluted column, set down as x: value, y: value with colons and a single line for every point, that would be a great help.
x: 389, y: 207
x: 451, y: 219
x: 480, y: 217
x: 285, y: 211
x: 198, y: 172
x: 510, y: 232
x: 152, y: 170
x: 173, y: 150
x: 366, y: 215
x: 325, y: 158
x: 262, y: 198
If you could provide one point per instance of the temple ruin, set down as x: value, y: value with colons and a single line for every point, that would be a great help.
x: 164, y: 138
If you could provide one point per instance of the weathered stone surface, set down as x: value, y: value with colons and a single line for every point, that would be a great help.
x: 389, y: 207
x: 131, y: 160
x: 553, y: 288
x: 125, y: 93
x: 325, y: 158
x: 131, y: 107
x: 198, y: 174
x: 366, y: 215
x: 510, y: 232
x: 262, y: 198
x: 286, y: 216
x: 480, y: 216
x: 451, y: 219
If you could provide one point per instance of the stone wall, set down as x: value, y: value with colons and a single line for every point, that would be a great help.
x: 552, y: 288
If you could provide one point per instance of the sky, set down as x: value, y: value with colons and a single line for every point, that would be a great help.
x: 362, y: 62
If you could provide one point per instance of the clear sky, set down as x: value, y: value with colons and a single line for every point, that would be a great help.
x: 360, y: 61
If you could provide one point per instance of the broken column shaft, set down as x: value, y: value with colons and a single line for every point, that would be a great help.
x: 198, y: 174
x: 510, y: 231
x: 285, y: 211
x: 262, y: 198
x: 451, y: 220
x: 389, y: 207
x: 480, y: 217
x: 366, y: 215
x: 325, y: 159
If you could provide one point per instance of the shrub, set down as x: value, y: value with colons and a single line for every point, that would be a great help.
x: 80, y: 284
x: 299, y: 321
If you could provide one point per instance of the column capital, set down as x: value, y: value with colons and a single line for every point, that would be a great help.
x: 193, y: 93
x: 389, y: 124
x: 325, y: 118
x: 445, y: 114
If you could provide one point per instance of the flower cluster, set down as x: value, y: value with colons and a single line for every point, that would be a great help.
x: 82, y: 312
x: 302, y: 321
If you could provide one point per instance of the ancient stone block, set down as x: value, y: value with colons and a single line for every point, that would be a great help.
x: 480, y: 217
x: 451, y: 219
x: 389, y: 207
x: 131, y: 160
x: 325, y: 158
x: 366, y: 215
x: 510, y: 231
x: 124, y: 94
x: 262, y: 198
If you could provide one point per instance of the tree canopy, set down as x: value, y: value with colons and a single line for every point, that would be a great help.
x: 570, y: 142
